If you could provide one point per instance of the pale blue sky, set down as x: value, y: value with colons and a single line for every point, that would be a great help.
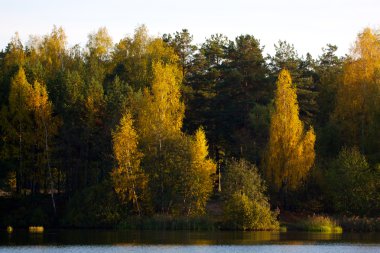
x: 309, y: 25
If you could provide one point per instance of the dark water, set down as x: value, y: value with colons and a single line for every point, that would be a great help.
x: 110, y: 241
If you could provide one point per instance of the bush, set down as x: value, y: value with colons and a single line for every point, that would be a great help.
x: 351, y: 184
x: 243, y: 213
x: 246, y: 206
x: 320, y: 223
x: 96, y: 206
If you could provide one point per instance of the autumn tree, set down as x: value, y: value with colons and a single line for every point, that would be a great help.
x: 19, y: 127
x: 198, y: 181
x: 130, y: 58
x: 100, y: 44
x: 46, y: 61
x: 46, y: 127
x: 357, y: 99
x: 128, y: 179
x: 134, y: 57
x: 162, y: 111
x: 177, y: 165
x: 290, y: 152
x: 159, y: 122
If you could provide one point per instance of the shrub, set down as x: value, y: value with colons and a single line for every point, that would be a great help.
x: 243, y: 213
x: 351, y: 184
x: 246, y: 206
x: 320, y: 223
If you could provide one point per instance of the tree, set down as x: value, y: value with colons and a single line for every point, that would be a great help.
x: 46, y: 127
x: 329, y: 70
x: 46, y: 61
x: 134, y: 57
x: 198, y: 186
x: 99, y: 44
x: 182, y: 44
x: 286, y: 57
x: 350, y: 183
x: 244, y: 84
x: 128, y: 179
x: 130, y: 58
x: 20, y: 122
x: 13, y: 58
x: 290, y: 151
x: 177, y: 165
x: 302, y: 72
x: 357, y: 102
x: 200, y: 91
x: 160, y: 112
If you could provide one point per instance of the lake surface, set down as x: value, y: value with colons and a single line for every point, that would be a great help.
x: 111, y: 241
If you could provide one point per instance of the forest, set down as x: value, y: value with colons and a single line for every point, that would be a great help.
x: 160, y: 128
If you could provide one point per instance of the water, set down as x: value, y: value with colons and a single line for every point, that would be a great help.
x: 111, y: 241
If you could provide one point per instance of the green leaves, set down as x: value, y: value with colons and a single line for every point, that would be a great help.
x: 351, y: 183
x: 245, y: 205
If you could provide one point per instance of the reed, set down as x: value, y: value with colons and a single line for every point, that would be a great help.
x: 320, y: 223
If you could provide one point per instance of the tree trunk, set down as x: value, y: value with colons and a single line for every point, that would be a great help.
x: 48, y: 167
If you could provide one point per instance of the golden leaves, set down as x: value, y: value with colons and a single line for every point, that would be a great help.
x: 357, y: 96
x: 290, y: 152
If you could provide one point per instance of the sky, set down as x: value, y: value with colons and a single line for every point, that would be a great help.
x: 309, y: 25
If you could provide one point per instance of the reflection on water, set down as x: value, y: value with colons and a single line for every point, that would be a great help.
x: 115, y: 237
x: 339, y: 248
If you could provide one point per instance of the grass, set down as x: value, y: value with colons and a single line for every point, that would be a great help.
x: 313, y: 223
x: 320, y: 223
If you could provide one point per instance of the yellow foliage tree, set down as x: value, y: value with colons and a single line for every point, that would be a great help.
x: 46, y: 126
x: 19, y: 129
x: 138, y: 54
x: 290, y: 152
x: 358, y: 95
x: 15, y: 53
x: 128, y: 179
x: 202, y: 168
x: 162, y: 110
x: 100, y: 44
x: 178, y: 166
x: 49, y: 52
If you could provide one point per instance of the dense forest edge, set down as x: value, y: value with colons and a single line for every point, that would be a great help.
x: 161, y: 133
